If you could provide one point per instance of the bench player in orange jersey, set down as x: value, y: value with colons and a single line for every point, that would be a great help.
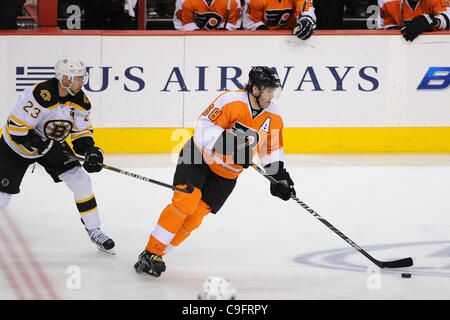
x: 415, y: 16
x: 296, y: 15
x: 207, y: 15
x: 234, y: 127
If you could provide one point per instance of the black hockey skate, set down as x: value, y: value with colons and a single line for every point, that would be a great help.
x: 103, y: 242
x: 150, y: 263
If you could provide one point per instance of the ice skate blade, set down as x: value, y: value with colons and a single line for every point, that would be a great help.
x: 110, y: 251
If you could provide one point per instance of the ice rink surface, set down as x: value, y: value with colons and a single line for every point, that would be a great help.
x: 394, y: 206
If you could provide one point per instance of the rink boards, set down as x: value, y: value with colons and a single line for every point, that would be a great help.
x: 342, y: 92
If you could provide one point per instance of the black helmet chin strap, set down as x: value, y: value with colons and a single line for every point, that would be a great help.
x: 257, y: 97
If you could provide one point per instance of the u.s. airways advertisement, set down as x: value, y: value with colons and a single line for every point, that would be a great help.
x: 167, y: 81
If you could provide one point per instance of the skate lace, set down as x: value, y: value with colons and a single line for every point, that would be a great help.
x: 98, y: 236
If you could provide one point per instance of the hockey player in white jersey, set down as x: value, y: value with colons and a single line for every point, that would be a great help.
x: 36, y: 131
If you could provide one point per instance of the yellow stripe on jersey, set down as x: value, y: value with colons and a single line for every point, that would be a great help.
x: 79, y: 135
x: 35, y: 152
x: 16, y: 129
x: 53, y: 106
x: 73, y: 104
x: 21, y: 122
x: 80, y: 130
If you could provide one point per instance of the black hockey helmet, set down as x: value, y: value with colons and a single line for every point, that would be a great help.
x: 262, y: 77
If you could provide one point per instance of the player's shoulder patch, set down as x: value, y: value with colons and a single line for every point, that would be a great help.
x: 46, y: 93
x: 82, y: 101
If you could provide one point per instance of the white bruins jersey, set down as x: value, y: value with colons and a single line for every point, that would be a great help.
x: 41, y: 109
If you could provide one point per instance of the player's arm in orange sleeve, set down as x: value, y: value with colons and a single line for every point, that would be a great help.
x: 211, y: 124
x: 273, y: 164
x: 253, y: 18
x: 387, y: 11
x: 271, y: 148
x: 441, y: 12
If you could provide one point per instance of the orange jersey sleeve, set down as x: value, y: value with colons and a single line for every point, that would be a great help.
x: 207, y: 14
x: 232, y: 109
x: 391, y: 12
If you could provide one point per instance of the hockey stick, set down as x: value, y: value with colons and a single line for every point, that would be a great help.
x: 402, y: 14
x: 228, y: 15
x: 406, y: 262
x: 188, y: 189
x: 303, y: 9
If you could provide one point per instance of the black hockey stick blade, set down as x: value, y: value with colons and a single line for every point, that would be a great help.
x: 402, y: 263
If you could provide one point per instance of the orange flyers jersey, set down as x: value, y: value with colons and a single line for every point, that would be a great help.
x: 391, y: 12
x: 232, y: 109
x: 275, y: 14
x: 207, y: 14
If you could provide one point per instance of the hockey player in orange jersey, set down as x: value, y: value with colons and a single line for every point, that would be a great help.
x: 207, y: 15
x: 415, y: 16
x: 296, y: 15
x: 234, y: 127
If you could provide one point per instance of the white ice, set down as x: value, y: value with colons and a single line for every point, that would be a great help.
x: 394, y: 206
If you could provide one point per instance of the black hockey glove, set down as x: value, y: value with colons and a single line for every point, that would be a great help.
x: 304, y: 28
x: 285, y: 188
x: 44, y: 147
x: 94, y: 160
x: 417, y: 26
x: 57, y: 153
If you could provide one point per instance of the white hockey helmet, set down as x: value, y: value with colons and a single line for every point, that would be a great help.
x: 217, y: 288
x: 70, y: 67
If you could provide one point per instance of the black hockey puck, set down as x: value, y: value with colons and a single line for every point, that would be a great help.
x: 406, y: 275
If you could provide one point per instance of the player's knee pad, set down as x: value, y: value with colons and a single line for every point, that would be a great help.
x: 186, y: 202
x: 4, y: 199
x: 77, y: 180
x: 193, y: 221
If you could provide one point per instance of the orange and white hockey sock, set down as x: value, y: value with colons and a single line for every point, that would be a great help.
x: 172, y: 218
x: 191, y: 223
x: 170, y: 221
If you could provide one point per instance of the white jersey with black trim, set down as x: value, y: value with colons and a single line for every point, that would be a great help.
x: 40, y: 109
